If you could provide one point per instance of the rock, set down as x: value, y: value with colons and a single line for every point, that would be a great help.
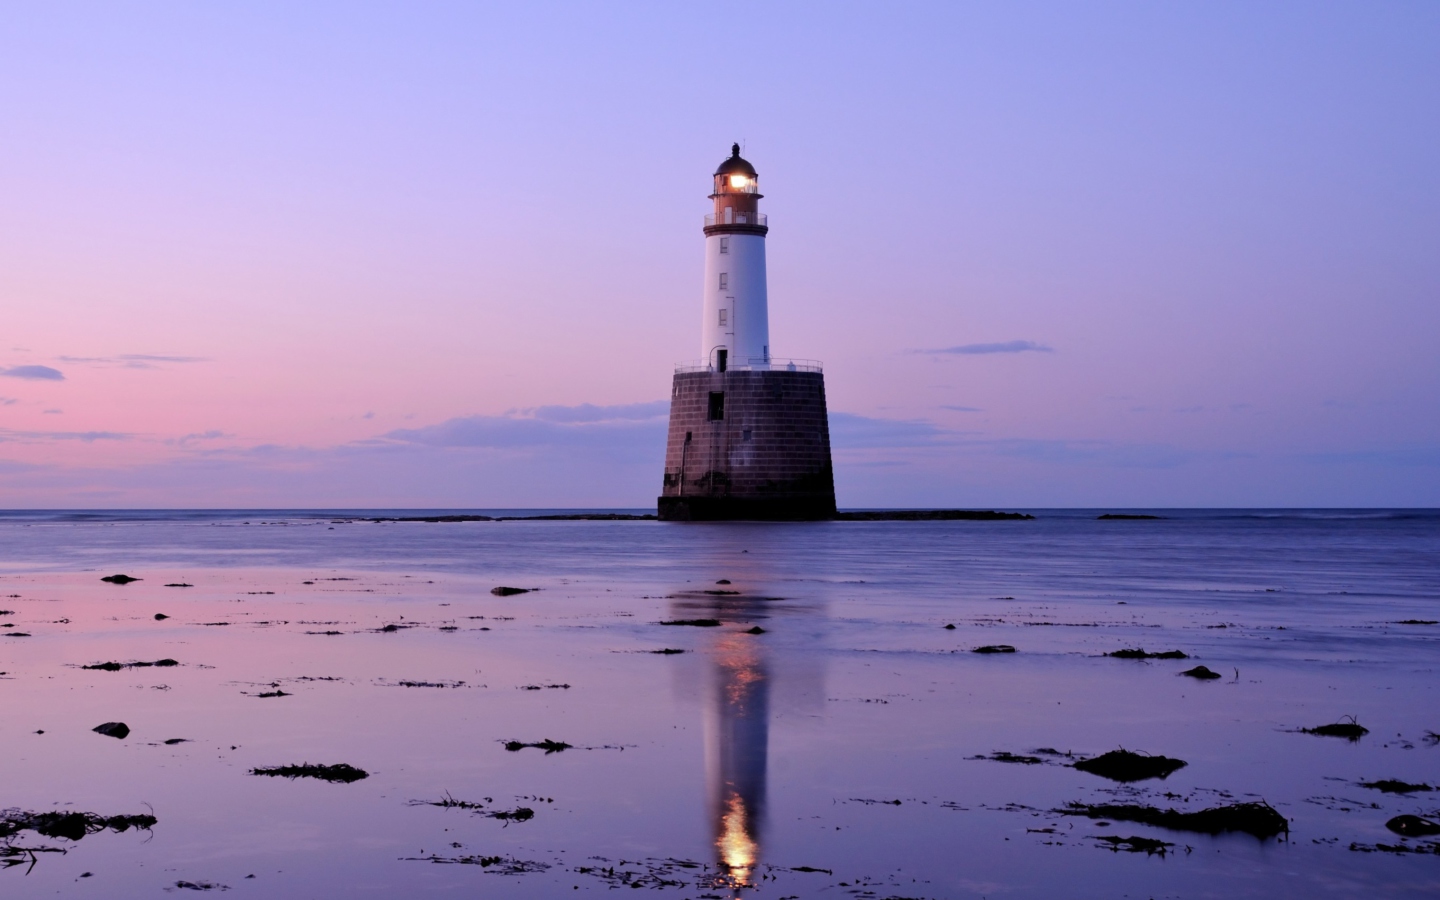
x: 756, y: 630
x: 113, y: 729
x: 160, y: 617
x: 1351, y: 730
x: 1122, y: 765
x: 119, y: 579
x: 1413, y: 826
x: 1202, y: 673
x: 994, y: 648
x: 504, y: 591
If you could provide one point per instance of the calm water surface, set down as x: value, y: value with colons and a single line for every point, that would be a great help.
x: 831, y: 754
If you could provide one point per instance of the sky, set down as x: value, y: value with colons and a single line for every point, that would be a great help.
x: 446, y: 255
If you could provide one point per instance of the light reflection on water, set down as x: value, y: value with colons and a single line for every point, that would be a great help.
x: 737, y: 726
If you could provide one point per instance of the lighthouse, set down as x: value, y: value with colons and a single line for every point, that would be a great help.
x: 749, y: 434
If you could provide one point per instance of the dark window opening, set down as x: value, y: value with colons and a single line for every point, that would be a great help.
x: 687, y: 437
x: 745, y: 435
x: 722, y: 359
x: 717, y: 405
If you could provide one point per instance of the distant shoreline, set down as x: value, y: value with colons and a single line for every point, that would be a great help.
x: 897, y: 515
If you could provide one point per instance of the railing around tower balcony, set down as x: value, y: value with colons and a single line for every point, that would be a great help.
x: 755, y: 364
x: 731, y: 217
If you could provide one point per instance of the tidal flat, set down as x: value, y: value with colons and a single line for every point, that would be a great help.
x: 318, y: 704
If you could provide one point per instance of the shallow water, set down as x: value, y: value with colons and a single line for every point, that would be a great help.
x: 721, y: 770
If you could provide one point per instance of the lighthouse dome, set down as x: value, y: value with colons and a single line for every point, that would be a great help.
x: 736, y: 165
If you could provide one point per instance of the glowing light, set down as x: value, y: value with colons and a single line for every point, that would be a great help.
x: 737, y: 847
x: 738, y: 181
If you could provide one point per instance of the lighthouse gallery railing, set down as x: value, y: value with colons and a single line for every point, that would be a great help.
x: 753, y: 365
x: 736, y: 219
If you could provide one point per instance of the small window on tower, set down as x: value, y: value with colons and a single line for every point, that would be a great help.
x: 724, y: 281
x: 745, y: 435
x: 724, y: 245
x: 724, y: 317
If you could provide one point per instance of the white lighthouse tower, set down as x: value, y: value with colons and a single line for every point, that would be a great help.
x: 736, y: 328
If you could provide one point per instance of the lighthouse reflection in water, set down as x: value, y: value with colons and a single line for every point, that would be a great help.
x: 737, y: 735
x: 763, y: 661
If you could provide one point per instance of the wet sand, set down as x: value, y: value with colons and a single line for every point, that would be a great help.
x: 839, y: 750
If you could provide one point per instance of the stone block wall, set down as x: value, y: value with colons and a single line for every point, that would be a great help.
x: 767, y: 456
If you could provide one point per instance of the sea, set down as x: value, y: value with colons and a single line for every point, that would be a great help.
x: 340, y: 703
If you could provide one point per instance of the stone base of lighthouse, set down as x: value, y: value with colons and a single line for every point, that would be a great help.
x: 748, y: 444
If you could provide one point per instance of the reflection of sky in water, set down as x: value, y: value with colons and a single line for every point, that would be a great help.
x: 767, y: 756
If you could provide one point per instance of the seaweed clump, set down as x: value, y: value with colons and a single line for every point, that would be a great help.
x: 1257, y: 818
x: 69, y: 825
x: 1140, y: 653
x: 342, y: 773
x: 503, y: 865
x: 547, y: 745
x: 1007, y: 757
x: 994, y: 648
x: 1395, y: 786
x: 138, y: 664
x: 1133, y: 844
x: 1122, y: 765
x: 1351, y: 730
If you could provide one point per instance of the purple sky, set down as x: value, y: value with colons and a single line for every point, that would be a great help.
x: 349, y: 254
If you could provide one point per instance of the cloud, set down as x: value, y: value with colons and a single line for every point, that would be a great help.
x: 146, y: 357
x: 133, y: 360
x: 1398, y: 456
x: 849, y: 431
x: 42, y: 373
x: 628, y: 430
x: 211, y: 435
x: 1006, y: 347
x: 587, y: 412
x: 84, y: 436
x: 1096, y: 453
